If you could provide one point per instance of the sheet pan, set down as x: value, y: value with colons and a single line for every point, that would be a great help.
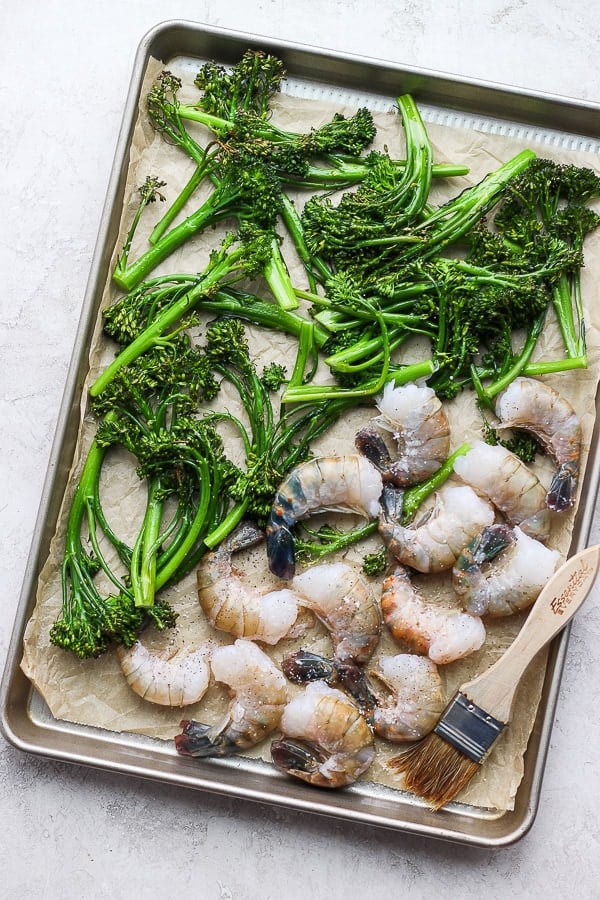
x: 26, y: 721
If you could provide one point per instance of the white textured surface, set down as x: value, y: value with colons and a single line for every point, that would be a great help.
x: 69, y: 833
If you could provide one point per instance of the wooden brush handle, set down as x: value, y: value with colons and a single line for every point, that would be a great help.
x: 555, y: 606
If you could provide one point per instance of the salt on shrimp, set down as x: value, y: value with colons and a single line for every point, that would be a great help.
x: 533, y: 406
x: 233, y: 606
x: 328, y: 483
x: 413, y: 699
x: 259, y: 696
x: 173, y: 677
x: 414, y: 416
x: 347, y: 603
x: 502, y: 478
x: 433, y: 542
x: 401, y: 697
x: 442, y: 633
x: 326, y: 741
x: 502, y: 571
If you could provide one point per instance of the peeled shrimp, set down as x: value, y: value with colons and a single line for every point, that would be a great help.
x: 419, y: 425
x: 433, y: 543
x: 441, y: 633
x: 414, y: 699
x: 234, y: 607
x: 326, y: 741
x: 170, y: 678
x: 502, y: 571
x: 534, y: 406
x: 259, y: 695
x: 348, y: 605
x: 328, y: 483
x: 503, y: 479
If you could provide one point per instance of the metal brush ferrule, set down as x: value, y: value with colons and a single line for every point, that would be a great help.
x: 468, y: 728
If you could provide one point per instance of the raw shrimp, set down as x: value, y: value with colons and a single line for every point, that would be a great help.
x: 414, y: 699
x: 433, y: 542
x: 502, y: 478
x: 234, y: 607
x: 347, y: 603
x: 327, y: 483
x: 259, y: 696
x: 502, y: 571
x: 441, y: 633
x: 419, y: 425
x: 536, y: 407
x: 303, y: 666
x: 326, y: 741
x: 401, y: 698
x: 173, y: 677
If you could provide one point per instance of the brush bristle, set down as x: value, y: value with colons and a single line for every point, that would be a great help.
x: 435, y: 770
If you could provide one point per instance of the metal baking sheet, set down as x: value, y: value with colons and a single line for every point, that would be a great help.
x: 25, y: 719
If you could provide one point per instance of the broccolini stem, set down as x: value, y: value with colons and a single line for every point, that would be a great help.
x: 364, y: 354
x: 346, y: 173
x: 175, y: 208
x: 143, y: 558
x: 536, y: 369
x: 177, y: 561
x: 233, y: 518
x: 278, y: 278
x: 416, y: 495
x: 320, y: 544
x: 566, y: 298
x: 168, y: 318
x: 260, y: 312
x: 554, y: 366
x: 128, y: 277
x: 315, y: 268
x: 487, y: 394
x: 399, y: 375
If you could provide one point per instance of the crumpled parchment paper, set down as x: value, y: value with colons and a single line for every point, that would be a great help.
x: 94, y: 692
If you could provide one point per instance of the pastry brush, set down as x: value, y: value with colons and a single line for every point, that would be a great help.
x: 439, y: 766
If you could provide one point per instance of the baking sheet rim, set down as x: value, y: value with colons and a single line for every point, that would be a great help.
x: 15, y: 691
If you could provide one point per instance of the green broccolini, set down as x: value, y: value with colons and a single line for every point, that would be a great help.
x: 384, y: 266
x: 154, y: 406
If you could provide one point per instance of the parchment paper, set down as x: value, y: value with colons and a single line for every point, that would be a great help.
x: 94, y: 692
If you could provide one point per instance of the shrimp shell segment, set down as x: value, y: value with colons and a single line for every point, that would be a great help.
x: 434, y: 542
x: 326, y: 741
x: 175, y: 678
x: 347, y: 484
x: 347, y: 603
x: 501, y: 575
x: 259, y: 695
x: 414, y: 416
x: 414, y: 700
x: 443, y: 634
x: 536, y: 407
x: 502, y: 478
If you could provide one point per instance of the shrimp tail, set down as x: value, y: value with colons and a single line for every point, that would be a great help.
x: 563, y: 487
x: 299, y: 759
x: 280, y: 547
x: 369, y: 442
x: 486, y: 546
x: 304, y: 666
x: 246, y: 535
x: 391, y: 504
x: 467, y: 572
x: 199, y: 740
